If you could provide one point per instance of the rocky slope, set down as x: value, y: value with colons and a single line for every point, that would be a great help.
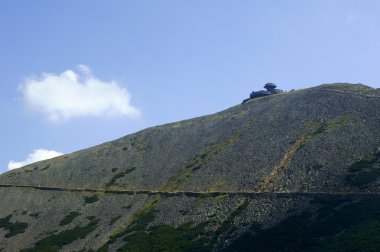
x: 288, y: 172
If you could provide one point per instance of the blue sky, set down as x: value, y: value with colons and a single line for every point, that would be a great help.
x: 166, y: 60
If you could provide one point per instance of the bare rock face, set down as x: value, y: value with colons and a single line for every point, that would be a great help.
x: 297, y: 171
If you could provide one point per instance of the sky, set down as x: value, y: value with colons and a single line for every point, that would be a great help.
x: 77, y: 73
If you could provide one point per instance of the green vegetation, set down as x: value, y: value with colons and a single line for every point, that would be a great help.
x: 119, y: 175
x: 220, y: 198
x: 227, y: 225
x: 91, y: 199
x: 323, y: 128
x: 177, y: 180
x: 140, y: 237
x: 184, y: 212
x: 56, y: 241
x: 113, y: 220
x: 140, y: 148
x: 364, y: 171
x: 52, y: 198
x: 69, y: 218
x: 349, y: 88
x: 203, y: 158
x: 216, y: 184
x: 338, y: 225
x: 140, y: 221
x: 186, y: 237
x: 127, y: 207
x: 11, y: 174
x: 13, y: 228
x: 240, y: 114
x: 176, y: 125
x: 345, y: 120
x: 46, y: 167
x: 362, y: 179
x: 35, y: 215
x: 209, y: 151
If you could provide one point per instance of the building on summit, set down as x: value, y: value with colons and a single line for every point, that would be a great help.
x: 270, y: 90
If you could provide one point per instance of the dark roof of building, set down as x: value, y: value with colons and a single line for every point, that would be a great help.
x: 270, y: 85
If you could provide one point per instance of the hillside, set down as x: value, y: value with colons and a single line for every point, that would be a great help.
x: 293, y: 171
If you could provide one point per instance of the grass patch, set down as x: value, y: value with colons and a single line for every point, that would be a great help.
x: 140, y: 237
x: 177, y: 125
x: 216, y: 184
x: 227, y: 225
x: 11, y: 174
x: 205, y: 156
x: 177, y: 180
x: 56, y: 241
x: 91, y: 199
x: 349, y: 88
x: 314, y: 130
x: 364, y: 171
x: 338, y: 225
x: 35, y: 215
x: 113, y: 220
x: 127, y: 207
x: 140, y: 221
x: 119, y: 175
x: 184, y: 212
x: 240, y: 114
x: 12, y: 228
x: 69, y: 218
x: 46, y: 167
x: 186, y: 237
x: 220, y: 198
x: 210, y: 151
x: 140, y: 148
x: 323, y: 128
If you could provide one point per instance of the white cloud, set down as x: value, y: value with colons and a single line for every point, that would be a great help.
x: 71, y: 94
x: 37, y: 155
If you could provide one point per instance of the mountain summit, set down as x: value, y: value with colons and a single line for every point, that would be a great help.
x: 293, y: 171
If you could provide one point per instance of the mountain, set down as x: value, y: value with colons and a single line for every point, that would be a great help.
x: 297, y: 171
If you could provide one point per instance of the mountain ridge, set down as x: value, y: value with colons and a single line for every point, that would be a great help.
x: 209, y: 148
x: 297, y: 171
